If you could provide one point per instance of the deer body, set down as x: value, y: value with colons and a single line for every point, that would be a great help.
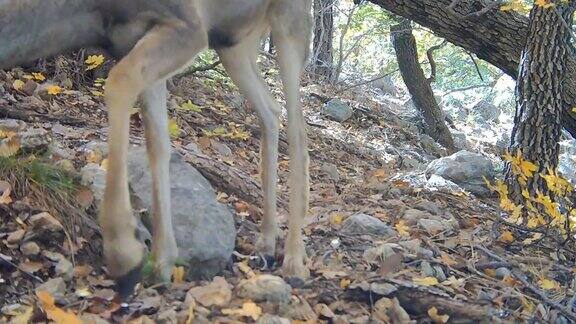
x: 153, y: 40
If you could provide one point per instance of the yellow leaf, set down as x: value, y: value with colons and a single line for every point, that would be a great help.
x: 490, y: 272
x: 97, y: 93
x: 189, y: 105
x: 23, y: 318
x: 336, y: 219
x: 174, y: 128
x: 506, y: 237
x: 38, y: 76
x: 344, y: 283
x: 402, y: 228
x: 426, y: 281
x: 9, y: 146
x: 548, y: 284
x: 574, y: 110
x: 18, y: 84
x: 54, y: 313
x: 249, y: 309
x: 54, y: 90
x: 437, y: 318
x: 543, y: 3
x: 178, y: 274
x: 94, y: 61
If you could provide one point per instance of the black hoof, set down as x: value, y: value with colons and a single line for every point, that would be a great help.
x: 125, y: 284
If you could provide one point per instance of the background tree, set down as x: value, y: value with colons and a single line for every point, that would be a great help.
x: 418, y: 85
x: 539, y: 91
x: 323, y: 35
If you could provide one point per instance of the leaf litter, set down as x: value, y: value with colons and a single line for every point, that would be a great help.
x: 478, y: 268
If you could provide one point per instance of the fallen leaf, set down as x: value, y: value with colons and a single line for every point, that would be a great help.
x: 426, y: 281
x: 249, y: 309
x: 54, y: 313
x: 490, y: 272
x: 217, y: 293
x: 402, y: 228
x: 38, y: 76
x: 24, y: 317
x: 30, y: 266
x: 336, y: 219
x: 506, y: 237
x: 548, y: 284
x: 344, y: 283
x: 437, y: 318
x: 18, y: 85
x: 9, y: 146
x: 5, y: 190
x: 54, y: 90
x: 178, y: 275
x: 94, y: 61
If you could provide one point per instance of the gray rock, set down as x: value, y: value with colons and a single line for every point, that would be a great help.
x: 429, y: 270
x: 433, y: 226
x: 65, y: 269
x: 465, y: 169
x: 337, y: 110
x: 502, y: 272
x: 412, y: 216
x: 380, y: 254
x: 485, y: 111
x: 94, y: 177
x: 272, y: 319
x: 366, y: 224
x: 430, y: 146
x: 331, y: 171
x: 265, y: 288
x: 439, y: 183
x: 204, y: 228
x: 460, y: 140
x: 30, y: 248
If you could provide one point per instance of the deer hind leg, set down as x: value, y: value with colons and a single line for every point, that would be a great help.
x: 161, y: 52
x: 240, y: 63
x: 291, y: 28
x: 155, y: 117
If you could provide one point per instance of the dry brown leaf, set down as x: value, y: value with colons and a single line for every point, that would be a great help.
x: 344, y: 283
x: 506, y: 237
x: 217, y: 293
x: 5, y: 190
x: 54, y: 313
x: 249, y: 309
x: 31, y: 266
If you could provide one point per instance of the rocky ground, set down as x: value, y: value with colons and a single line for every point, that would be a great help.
x: 399, y: 230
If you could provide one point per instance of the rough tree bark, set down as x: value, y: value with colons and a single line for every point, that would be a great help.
x: 493, y: 35
x: 418, y: 85
x: 539, y: 104
x: 323, y: 35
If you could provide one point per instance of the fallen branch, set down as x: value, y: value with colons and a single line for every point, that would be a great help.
x: 518, y: 274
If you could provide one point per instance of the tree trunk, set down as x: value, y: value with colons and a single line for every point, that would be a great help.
x: 495, y: 36
x: 539, y: 104
x: 323, y: 35
x: 418, y: 85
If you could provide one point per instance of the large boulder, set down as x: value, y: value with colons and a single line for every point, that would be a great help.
x: 204, y: 228
x: 466, y: 169
x: 337, y: 110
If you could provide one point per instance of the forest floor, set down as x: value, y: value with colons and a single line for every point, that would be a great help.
x: 472, y: 268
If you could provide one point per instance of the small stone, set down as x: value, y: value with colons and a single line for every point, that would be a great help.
x: 168, y: 316
x: 265, y: 288
x: 89, y: 318
x: 366, y: 224
x: 381, y: 253
x: 216, y: 293
x: 65, y: 269
x: 65, y: 165
x: 55, y: 287
x: 412, y: 216
x: 338, y: 110
x: 331, y: 170
x: 16, y: 236
x: 502, y: 272
x: 30, y: 248
x: 272, y: 319
x: 431, y: 226
x: 221, y: 148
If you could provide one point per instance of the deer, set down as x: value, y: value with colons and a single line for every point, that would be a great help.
x: 151, y: 41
